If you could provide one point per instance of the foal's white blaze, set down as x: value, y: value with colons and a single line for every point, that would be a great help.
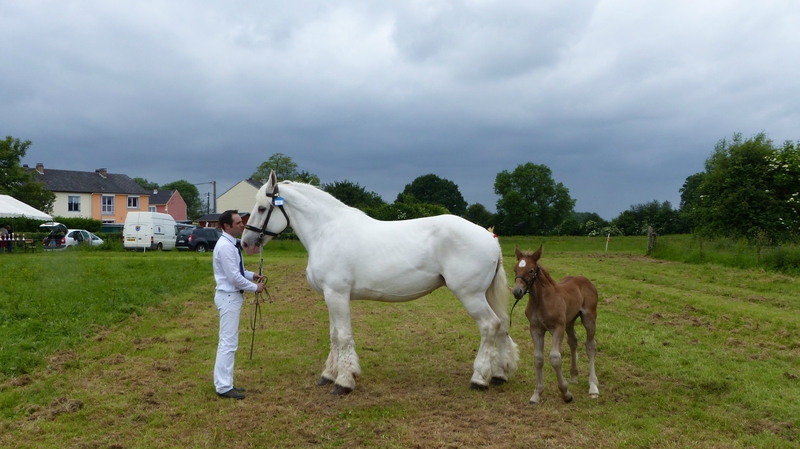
x: 522, y: 264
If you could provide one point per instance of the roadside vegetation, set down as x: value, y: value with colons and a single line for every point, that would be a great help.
x: 114, y: 349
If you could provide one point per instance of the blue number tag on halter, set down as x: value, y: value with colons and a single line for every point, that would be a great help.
x: 278, y: 201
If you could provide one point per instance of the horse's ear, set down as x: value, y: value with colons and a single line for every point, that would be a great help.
x: 517, y: 252
x: 273, y: 179
x: 537, y: 254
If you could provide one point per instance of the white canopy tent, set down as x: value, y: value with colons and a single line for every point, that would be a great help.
x: 12, y: 208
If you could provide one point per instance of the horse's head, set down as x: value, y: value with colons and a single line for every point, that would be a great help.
x: 263, y: 223
x: 526, y: 271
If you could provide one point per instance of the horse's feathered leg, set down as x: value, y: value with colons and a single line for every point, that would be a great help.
x: 489, y: 325
x: 346, y: 367
x: 330, y: 372
x: 507, y: 355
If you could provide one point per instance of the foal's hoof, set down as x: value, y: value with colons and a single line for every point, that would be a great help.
x: 477, y: 386
x: 497, y: 381
x: 339, y: 390
x: 567, y: 397
x: 324, y: 381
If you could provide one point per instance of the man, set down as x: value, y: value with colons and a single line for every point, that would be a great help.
x: 7, y: 235
x: 232, y: 281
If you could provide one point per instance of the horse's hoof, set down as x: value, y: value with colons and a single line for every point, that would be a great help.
x: 323, y: 381
x: 568, y: 398
x: 339, y: 390
x: 477, y: 386
x: 497, y: 381
x: 594, y: 396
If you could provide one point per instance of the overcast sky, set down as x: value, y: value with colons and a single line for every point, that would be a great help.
x: 621, y: 99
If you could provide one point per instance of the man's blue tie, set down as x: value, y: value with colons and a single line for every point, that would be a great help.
x: 241, y: 262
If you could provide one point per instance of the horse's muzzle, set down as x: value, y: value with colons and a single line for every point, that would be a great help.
x: 518, y: 292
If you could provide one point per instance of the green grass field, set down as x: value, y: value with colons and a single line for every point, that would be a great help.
x: 110, y: 349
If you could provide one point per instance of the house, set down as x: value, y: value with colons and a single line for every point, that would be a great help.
x: 99, y: 195
x: 168, y: 202
x: 241, y: 197
x: 208, y: 221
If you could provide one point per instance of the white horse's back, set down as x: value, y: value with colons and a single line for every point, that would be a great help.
x: 404, y: 260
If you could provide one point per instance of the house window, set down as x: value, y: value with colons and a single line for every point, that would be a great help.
x: 151, y: 208
x: 74, y: 203
x: 133, y: 202
x: 107, y: 205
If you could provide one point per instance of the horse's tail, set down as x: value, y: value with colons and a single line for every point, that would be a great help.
x: 497, y: 296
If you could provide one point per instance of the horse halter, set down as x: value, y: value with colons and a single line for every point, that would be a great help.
x: 529, y: 284
x: 262, y: 231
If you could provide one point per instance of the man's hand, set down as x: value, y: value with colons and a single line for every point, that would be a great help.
x: 259, y: 287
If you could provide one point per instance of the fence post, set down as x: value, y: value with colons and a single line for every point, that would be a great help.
x: 651, y: 239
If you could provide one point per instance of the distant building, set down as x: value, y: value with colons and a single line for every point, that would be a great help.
x: 241, y: 197
x: 99, y: 195
x: 169, y: 202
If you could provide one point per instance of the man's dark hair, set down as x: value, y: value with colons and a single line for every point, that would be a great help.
x: 226, y: 218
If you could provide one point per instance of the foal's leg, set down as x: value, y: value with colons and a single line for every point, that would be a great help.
x: 572, y: 340
x: 555, y: 360
x: 589, y: 322
x: 538, y: 362
x: 343, y: 358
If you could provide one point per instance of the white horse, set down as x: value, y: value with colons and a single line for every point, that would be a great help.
x: 352, y: 256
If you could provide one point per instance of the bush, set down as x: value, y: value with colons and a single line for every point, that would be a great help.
x: 728, y: 253
x: 783, y: 260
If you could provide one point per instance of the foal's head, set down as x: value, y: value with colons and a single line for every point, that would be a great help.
x: 526, y: 270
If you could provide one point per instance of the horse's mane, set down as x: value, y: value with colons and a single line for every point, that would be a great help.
x: 318, y: 194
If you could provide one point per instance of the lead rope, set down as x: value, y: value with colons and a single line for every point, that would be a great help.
x: 255, y: 309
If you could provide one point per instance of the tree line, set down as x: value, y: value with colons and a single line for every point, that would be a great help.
x: 531, y: 203
x: 749, y: 189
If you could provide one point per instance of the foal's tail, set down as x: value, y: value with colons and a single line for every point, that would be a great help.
x: 497, y: 296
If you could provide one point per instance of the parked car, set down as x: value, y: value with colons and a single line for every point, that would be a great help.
x: 197, y: 239
x: 61, y: 238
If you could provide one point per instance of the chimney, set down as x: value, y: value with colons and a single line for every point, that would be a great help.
x: 155, y: 191
x: 102, y: 172
x: 40, y: 168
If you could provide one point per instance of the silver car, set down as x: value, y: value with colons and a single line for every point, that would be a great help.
x: 61, y: 238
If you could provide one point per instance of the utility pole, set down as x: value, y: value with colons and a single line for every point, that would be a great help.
x: 214, y: 194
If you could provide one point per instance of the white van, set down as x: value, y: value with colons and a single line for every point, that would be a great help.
x: 148, y: 230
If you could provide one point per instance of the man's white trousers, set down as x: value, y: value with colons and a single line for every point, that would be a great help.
x: 229, y: 306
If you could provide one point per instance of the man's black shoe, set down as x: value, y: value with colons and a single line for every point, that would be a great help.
x: 240, y: 390
x: 232, y: 394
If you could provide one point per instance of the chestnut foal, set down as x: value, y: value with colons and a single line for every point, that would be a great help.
x: 555, y: 307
